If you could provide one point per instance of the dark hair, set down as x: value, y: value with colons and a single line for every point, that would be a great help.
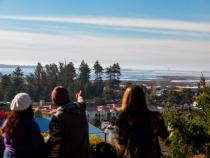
x: 59, y: 96
x: 134, y: 104
x: 14, y: 119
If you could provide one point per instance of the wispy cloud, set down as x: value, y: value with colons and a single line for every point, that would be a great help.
x: 54, y: 38
x: 30, y: 48
x: 120, y: 22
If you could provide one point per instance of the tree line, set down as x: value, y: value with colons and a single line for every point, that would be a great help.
x: 105, y: 87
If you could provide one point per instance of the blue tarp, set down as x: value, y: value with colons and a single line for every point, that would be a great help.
x: 44, y: 124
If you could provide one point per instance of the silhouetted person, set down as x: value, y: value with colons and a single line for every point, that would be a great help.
x: 68, y: 128
x: 21, y: 134
x: 138, y: 127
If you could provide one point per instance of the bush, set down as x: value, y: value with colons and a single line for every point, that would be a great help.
x: 189, y: 134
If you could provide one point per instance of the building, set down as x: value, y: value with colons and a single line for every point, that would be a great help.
x: 103, y: 112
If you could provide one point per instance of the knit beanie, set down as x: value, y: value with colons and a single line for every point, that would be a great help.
x: 21, y: 102
x: 59, y: 96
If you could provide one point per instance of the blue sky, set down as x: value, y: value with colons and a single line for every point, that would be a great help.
x: 140, y: 34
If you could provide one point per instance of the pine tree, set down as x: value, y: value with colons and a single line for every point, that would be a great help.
x: 37, y: 83
x: 113, y: 74
x: 67, y: 74
x: 84, y: 76
x: 52, y: 74
x: 98, y: 83
x: 6, y: 87
x: 18, y: 84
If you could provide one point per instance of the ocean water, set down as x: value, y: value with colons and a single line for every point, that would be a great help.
x: 130, y: 74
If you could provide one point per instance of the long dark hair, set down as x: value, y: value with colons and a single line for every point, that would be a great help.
x: 14, y: 119
x: 134, y: 104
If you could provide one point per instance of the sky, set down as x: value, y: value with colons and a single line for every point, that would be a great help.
x: 138, y: 34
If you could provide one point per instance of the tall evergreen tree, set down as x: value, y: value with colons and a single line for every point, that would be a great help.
x: 98, y: 83
x: 52, y: 74
x: 84, y: 76
x: 113, y: 81
x: 18, y: 84
x: 116, y: 75
x: 67, y: 74
x: 37, y: 83
x: 98, y: 71
x: 6, y: 87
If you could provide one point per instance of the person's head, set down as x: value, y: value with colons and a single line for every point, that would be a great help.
x: 21, y: 108
x: 59, y: 96
x: 134, y: 100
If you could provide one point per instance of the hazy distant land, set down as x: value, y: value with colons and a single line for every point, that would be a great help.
x: 155, y: 77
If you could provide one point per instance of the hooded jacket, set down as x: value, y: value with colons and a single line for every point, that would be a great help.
x: 68, y: 132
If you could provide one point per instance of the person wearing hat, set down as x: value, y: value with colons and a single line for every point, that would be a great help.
x: 68, y: 128
x: 21, y: 134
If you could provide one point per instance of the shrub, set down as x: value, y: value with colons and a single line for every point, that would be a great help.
x: 189, y: 134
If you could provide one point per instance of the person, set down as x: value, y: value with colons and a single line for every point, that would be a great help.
x: 138, y: 127
x: 109, y: 131
x: 68, y: 128
x: 21, y: 134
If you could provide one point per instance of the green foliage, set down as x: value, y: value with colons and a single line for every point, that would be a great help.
x: 66, y: 76
x: 113, y: 81
x: 37, y: 83
x: 98, y: 83
x: 40, y: 83
x: 12, y: 84
x: 190, y: 130
x: 18, y: 84
x: 98, y: 70
x: 189, y: 134
x: 203, y: 99
x: 6, y: 87
x: 84, y: 74
x: 171, y: 97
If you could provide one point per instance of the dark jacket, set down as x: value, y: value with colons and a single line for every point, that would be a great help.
x: 68, y: 132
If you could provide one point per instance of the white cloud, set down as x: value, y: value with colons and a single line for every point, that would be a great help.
x: 30, y: 48
x: 120, y: 22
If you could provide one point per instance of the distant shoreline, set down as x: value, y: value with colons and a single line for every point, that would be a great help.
x: 124, y: 69
x: 14, y: 66
x: 164, y: 77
